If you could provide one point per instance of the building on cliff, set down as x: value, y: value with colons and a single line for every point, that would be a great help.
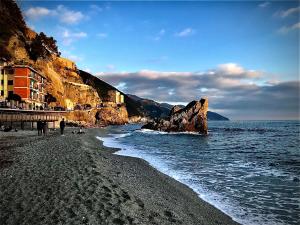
x: 115, y: 97
x: 25, y: 82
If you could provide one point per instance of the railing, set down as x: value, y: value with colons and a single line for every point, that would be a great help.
x: 17, y: 115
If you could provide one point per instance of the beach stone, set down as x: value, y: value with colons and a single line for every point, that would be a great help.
x: 191, y: 118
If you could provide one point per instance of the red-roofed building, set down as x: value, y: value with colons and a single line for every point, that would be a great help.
x: 26, y: 82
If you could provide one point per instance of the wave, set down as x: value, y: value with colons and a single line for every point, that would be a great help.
x: 148, y: 131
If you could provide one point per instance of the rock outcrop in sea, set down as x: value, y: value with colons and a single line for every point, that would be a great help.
x: 191, y: 118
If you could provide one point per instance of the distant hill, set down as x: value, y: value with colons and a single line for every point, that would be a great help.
x: 215, y: 116
x: 155, y: 110
x: 151, y: 108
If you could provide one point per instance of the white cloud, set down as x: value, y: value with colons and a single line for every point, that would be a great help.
x: 159, y: 35
x: 230, y: 88
x: 102, y: 35
x: 69, y: 36
x: 37, y: 12
x: 288, y: 12
x: 64, y: 14
x: 87, y: 70
x: 264, y: 4
x: 96, y: 8
x: 162, y: 32
x: 69, y: 55
x: 287, y: 29
x: 110, y: 67
x: 233, y: 69
x: 121, y: 86
x: 186, y: 32
x: 69, y: 16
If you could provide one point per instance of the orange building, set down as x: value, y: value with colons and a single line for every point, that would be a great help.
x: 29, y: 84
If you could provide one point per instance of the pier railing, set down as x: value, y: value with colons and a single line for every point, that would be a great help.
x: 20, y: 115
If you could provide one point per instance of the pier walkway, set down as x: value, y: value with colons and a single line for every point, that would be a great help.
x: 10, y: 116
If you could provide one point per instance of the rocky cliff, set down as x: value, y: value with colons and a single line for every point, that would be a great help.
x: 66, y: 84
x: 192, y: 118
x: 153, y: 109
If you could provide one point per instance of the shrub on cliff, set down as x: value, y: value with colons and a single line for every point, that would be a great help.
x: 42, y: 47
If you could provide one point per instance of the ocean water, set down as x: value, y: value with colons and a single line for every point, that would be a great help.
x: 248, y: 169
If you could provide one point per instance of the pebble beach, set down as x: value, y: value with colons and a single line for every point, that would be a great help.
x: 74, y: 179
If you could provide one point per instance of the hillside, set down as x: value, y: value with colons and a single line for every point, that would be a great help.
x: 65, y: 83
x: 154, y: 109
x: 102, y: 88
x: 11, y: 23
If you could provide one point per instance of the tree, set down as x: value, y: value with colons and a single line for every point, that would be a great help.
x: 14, y: 97
x: 49, y: 98
x: 42, y: 47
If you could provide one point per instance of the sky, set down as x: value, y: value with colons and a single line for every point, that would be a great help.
x: 242, y: 55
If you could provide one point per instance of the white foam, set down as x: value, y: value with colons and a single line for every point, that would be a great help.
x: 148, y: 131
x: 122, y: 135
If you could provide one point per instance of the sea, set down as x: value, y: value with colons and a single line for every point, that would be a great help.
x: 250, y: 170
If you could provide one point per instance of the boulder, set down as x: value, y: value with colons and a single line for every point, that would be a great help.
x: 191, y: 118
x: 174, y: 109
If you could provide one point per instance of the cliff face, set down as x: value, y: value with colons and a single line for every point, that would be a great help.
x: 102, y: 88
x: 21, y: 45
x: 11, y: 23
x: 192, y: 118
x: 152, y: 109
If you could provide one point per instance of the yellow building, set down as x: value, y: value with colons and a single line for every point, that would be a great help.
x: 6, y: 83
x: 116, y: 97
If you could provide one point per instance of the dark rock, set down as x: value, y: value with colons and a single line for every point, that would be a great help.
x: 296, y: 179
x: 175, y: 109
x: 192, y: 118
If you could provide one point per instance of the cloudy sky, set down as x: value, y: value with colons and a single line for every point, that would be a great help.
x: 242, y: 55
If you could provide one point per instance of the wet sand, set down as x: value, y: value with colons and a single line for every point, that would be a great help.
x: 74, y: 179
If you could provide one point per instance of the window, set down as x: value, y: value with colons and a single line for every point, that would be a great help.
x: 2, y: 82
x: 2, y: 93
x: 2, y: 71
x: 10, y: 82
x: 10, y: 71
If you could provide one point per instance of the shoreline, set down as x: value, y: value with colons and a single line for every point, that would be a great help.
x: 72, y: 179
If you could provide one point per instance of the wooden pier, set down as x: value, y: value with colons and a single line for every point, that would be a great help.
x: 19, y: 116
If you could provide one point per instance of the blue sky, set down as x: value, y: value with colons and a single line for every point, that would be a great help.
x: 132, y: 43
